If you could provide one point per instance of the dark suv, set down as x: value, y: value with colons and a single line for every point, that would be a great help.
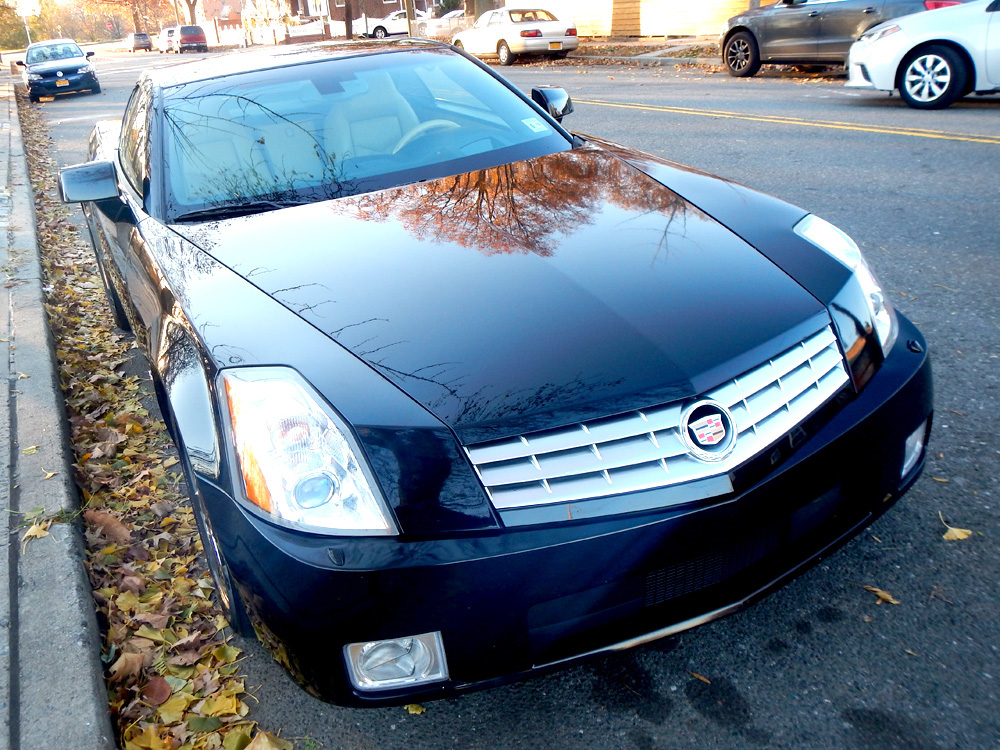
x: 192, y: 39
x: 807, y: 31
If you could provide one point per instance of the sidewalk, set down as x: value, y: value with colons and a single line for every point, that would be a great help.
x: 52, y: 691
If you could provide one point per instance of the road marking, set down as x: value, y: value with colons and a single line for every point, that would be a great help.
x: 830, y: 124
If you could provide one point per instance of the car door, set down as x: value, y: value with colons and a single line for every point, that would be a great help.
x: 841, y: 22
x: 791, y: 30
x: 396, y: 23
x: 993, y: 43
x: 478, y: 39
x: 121, y: 220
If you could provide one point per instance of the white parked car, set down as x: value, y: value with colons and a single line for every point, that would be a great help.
x: 396, y: 23
x: 447, y: 25
x: 509, y: 32
x: 933, y: 58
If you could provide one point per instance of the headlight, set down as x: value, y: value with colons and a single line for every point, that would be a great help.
x: 875, y: 34
x: 85, y: 69
x: 827, y: 237
x: 298, y: 459
x: 34, y: 77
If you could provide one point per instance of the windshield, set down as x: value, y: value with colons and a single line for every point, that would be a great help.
x: 52, y: 52
x: 339, y: 127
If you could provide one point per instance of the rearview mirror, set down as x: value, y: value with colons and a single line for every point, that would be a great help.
x: 93, y: 181
x: 553, y: 100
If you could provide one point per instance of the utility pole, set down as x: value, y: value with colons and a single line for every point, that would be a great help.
x: 411, y: 17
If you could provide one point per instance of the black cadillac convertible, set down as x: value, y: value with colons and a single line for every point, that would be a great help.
x: 462, y: 396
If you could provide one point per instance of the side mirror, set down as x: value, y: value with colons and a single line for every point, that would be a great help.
x: 90, y: 54
x: 93, y: 181
x: 20, y: 63
x: 553, y: 100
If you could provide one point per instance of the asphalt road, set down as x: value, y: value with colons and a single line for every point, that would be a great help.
x: 819, y: 664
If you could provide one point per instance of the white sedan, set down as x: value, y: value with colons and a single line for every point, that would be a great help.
x: 509, y: 32
x: 933, y: 58
x: 395, y: 23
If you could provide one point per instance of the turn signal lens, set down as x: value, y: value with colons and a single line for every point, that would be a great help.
x: 829, y: 238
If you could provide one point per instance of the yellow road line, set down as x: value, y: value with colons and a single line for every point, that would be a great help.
x: 830, y: 124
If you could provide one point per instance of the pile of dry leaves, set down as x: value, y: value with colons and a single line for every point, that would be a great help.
x: 173, y: 680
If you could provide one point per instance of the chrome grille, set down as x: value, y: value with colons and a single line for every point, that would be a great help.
x: 643, y: 449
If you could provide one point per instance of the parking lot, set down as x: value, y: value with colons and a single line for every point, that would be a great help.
x: 822, y: 663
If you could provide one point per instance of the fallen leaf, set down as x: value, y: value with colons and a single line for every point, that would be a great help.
x: 32, y: 450
x: 37, y: 530
x: 127, y: 665
x: 156, y: 692
x: 953, y: 534
x: 883, y: 596
x: 109, y: 524
x: 268, y: 741
x: 699, y: 677
x: 50, y: 474
x: 415, y: 708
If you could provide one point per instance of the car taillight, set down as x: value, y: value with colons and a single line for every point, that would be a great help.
x: 932, y: 4
x: 531, y: 32
x: 571, y: 32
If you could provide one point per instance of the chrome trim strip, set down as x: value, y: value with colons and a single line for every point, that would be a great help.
x: 644, y: 450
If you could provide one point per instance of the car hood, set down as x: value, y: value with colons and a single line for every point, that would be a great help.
x: 53, y: 66
x: 526, y: 295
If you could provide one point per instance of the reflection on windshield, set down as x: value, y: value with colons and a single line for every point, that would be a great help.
x: 52, y: 52
x: 334, y: 128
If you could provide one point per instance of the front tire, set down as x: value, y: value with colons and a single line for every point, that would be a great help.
x: 506, y: 56
x: 932, y: 78
x: 740, y: 55
x: 96, y: 88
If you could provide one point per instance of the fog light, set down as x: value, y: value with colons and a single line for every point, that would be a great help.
x: 380, y: 665
x: 913, y: 450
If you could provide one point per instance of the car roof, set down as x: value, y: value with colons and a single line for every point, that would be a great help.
x: 244, y: 61
x: 49, y: 42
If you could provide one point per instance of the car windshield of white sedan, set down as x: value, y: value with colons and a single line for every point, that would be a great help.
x: 321, y: 130
x: 52, y: 52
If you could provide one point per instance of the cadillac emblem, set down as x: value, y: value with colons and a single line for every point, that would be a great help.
x: 708, y: 431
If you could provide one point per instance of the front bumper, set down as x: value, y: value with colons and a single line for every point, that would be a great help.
x: 524, y: 601
x: 73, y: 84
x: 874, y: 65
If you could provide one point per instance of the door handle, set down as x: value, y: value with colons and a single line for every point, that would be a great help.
x: 869, y: 10
x: 814, y: 14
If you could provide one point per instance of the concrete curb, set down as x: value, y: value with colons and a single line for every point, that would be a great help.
x: 56, y: 691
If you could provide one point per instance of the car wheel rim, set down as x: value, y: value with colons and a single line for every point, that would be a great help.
x: 927, y: 78
x: 738, y: 55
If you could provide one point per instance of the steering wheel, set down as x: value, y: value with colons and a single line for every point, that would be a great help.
x: 422, y: 129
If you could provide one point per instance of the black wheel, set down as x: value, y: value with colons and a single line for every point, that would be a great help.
x: 380, y: 33
x: 458, y: 45
x: 932, y: 78
x: 33, y: 97
x: 96, y: 88
x: 506, y: 56
x: 741, y: 56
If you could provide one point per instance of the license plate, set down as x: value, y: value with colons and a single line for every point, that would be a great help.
x: 62, y: 82
x: 555, y: 45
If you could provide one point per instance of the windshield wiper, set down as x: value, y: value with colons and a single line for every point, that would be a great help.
x: 237, y: 209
